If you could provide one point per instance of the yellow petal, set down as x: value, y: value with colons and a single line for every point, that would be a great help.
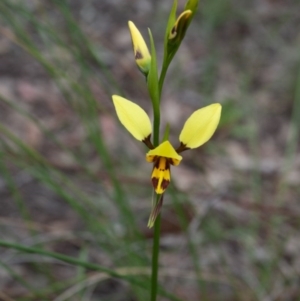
x: 200, y: 126
x: 161, y: 175
x: 166, y: 150
x: 133, y: 117
x: 140, y: 49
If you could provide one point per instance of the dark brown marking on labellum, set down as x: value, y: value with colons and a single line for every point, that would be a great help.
x: 171, y: 161
x: 154, y: 182
x: 164, y: 184
x: 162, y: 167
x: 167, y: 164
x: 156, y: 163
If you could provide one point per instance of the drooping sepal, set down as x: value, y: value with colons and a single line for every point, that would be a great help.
x: 155, y: 210
x: 200, y: 126
x: 133, y: 118
x: 140, y: 49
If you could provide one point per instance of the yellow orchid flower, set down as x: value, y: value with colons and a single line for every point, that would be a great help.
x: 140, y: 49
x: 197, y: 130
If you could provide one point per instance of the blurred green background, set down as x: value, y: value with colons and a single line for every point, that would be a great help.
x: 74, y: 182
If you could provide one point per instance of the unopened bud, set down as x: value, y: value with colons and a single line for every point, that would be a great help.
x: 140, y: 49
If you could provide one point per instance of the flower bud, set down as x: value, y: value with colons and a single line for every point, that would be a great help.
x: 140, y: 49
x: 178, y: 30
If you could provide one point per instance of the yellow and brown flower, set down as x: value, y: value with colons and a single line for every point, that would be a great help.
x: 197, y: 130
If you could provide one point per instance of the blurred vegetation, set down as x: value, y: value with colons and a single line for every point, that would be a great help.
x: 74, y: 188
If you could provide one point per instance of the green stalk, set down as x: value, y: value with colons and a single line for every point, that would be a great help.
x: 155, y: 257
x: 155, y: 91
x: 156, y: 238
x: 163, y: 73
x: 155, y: 86
x: 156, y: 124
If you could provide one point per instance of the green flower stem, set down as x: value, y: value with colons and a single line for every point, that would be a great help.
x: 166, y: 63
x: 156, y: 238
x: 155, y: 255
x: 156, y: 124
x: 162, y: 76
x: 155, y: 86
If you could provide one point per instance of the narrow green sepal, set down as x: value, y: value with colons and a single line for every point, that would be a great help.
x: 152, y: 79
x: 152, y: 83
x: 155, y: 211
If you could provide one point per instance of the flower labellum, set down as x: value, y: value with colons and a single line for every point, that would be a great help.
x: 162, y: 156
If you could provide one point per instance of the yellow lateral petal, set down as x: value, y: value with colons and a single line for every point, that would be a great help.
x: 133, y: 117
x: 161, y: 175
x: 140, y: 49
x: 166, y: 150
x: 200, y: 126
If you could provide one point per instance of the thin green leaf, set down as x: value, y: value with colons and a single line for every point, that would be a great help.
x: 152, y: 81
